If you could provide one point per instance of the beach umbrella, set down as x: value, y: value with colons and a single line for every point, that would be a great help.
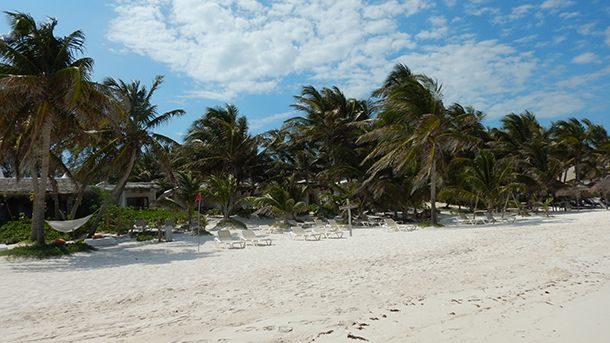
x: 574, y: 191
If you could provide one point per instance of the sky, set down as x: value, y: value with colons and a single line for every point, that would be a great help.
x: 551, y: 57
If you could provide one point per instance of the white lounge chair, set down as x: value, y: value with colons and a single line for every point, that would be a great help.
x: 250, y: 237
x: 225, y: 240
x: 392, y: 226
x: 308, y: 236
x: 333, y: 230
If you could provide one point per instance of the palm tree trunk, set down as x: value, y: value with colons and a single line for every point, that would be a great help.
x: 40, y: 191
x: 433, y: 193
x: 116, y: 192
x: 77, y: 202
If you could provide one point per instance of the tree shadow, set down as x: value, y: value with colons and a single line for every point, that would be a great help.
x: 123, y: 254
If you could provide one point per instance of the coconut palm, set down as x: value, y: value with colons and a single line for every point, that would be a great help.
x: 188, y: 186
x: 415, y: 128
x: 576, y: 141
x: 219, y: 142
x: 277, y: 202
x: 134, y: 137
x: 43, y: 86
x: 222, y: 189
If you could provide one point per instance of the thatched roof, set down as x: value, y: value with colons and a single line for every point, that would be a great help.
x: 142, y: 186
x: 573, y: 191
x: 24, y: 186
x: 602, y: 186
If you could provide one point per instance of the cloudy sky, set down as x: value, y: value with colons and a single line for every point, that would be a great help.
x: 547, y: 56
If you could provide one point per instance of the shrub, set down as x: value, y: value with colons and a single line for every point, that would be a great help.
x: 145, y: 236
x: 120, y: 220
x: 46, y: 251
x: 20, y: 230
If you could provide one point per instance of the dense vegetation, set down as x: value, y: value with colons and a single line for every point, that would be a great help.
x: 402, y: 150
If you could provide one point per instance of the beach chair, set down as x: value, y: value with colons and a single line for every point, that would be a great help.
x: 298, y: 232
x: 250, y: 237
x: 392, y: 226
x: 333, y: 230
x: 225, y: 240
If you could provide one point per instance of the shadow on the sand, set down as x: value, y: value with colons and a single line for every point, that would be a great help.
x: 522, y: 222
x: 121, y: 255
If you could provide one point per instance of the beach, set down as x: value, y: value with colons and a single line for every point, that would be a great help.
x: 537, y: 280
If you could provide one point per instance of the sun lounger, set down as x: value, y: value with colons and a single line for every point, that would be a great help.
x: 250, y: 237
x: 333, y: 230
x: 225, y: 240
x: 298, y: 232
x: 392, y: 226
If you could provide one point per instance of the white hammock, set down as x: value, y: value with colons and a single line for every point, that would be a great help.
x: 68, y: 225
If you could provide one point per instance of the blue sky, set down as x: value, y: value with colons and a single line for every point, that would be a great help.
x: 547, y: 56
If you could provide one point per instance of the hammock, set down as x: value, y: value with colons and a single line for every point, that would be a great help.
x: 68, y: 225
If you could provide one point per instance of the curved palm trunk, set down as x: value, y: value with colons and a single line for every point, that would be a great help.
x: 40, y: 183
x: 433, y: 218
x: 116, y: 192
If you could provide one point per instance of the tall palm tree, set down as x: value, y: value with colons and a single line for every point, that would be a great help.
x: 44, y: 86
x: 134, y: 136
x: 414, y: 128
x: 576, y: 141
x: 219, y: 142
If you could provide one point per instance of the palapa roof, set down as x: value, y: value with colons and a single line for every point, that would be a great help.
x: 64, y: 185
x: 11, y: 185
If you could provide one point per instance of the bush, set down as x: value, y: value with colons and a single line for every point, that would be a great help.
x: 20, y: 230
x: 214, y: 212
x: 145, y: 236
x: 46, y: 251
x: 120, y: 220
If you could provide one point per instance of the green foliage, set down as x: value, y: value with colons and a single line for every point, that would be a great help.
x: 214, y: 212
x: 428, y: 223
x: 121, y: 219
x: 46, y: 251
x: 20, y: 231
x: 145, y: 236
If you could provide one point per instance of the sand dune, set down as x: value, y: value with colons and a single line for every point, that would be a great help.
x: 538, y: 280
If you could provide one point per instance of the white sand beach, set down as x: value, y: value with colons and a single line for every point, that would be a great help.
x: 538, y: 280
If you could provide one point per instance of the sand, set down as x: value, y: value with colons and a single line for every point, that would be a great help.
x: 538, y: 280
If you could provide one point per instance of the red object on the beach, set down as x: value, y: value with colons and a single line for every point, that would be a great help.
x: 58, y: 241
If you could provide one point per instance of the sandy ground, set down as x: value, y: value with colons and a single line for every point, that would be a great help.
x: 538, y: 280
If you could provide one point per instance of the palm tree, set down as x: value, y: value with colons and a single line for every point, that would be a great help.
x: 576, y: 140
x: 414, y: 128
x: 223, y: 190
x: 277, y: 202
x: 134, y: 137
x: 185, y: 192
x: 219, y: 142
x: 42, y: 87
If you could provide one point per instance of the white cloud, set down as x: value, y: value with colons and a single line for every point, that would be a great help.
x: 586, y: 29
x: 568, y: 15
x: 515, y: 14
x: 545, y: 104
x: 450, y: 3
x: 607, y: 34
x: 554, y: 4
x: 439, y: 29
x: 586, y: 58
x: 261, y: 123
x: 473, y: 72
x: 246, y: 46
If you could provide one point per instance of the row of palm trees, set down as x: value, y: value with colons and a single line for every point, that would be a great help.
x: 401, y: 150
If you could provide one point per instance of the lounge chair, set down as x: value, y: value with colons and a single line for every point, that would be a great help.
x: 333, y: 230
x: 139, y: 226
x: 225, y: 240
x: 393, y: 226
x: 463, y: 219
x: 250, y: 237
x: 308, y: 236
